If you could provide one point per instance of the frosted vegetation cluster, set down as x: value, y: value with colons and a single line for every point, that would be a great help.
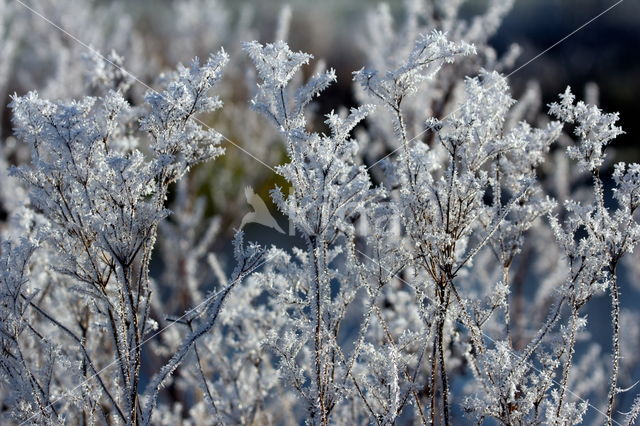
x: 448, y: 237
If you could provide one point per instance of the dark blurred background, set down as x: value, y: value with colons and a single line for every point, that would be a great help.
x: 605, y: 52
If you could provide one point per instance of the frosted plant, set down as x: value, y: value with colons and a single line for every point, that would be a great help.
x: 450, y: 284
x: 613, y: 233
x: 475, y: 191
x: 328, y: 190
x: 232, y: 353
x: 387, y: 42
x: 593, y: 128
x: 32, y: 388
x: 143, y: 42
x: 103, y: 74
x: 453, y: 140
x: 443, y: 204
x: 248, y: 259
x: 426, y: 58
x: 103, y: 200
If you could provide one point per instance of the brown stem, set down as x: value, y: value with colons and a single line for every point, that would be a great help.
x: 434, y: 367
x: 567, y: 365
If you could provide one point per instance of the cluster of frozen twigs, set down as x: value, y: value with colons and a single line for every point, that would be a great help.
x: 447, y: 282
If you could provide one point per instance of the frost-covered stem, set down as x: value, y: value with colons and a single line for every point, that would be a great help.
x: 416, y: 399
x: 476, y: 332
x: 444, y: 302
x: 211, y: 315
x: 390, y: 339
x: 434, y: 367
x: 135, y: 348
x: 178, y: 357
x: 124, y: 324
x: 37, y: 389
x: 568, y: 363
x: 317, y: 338
x: 139, y: 324
x: 443, y: 373
x: 117, y: 344
x: 205, y: 385
x: 361, y: 337
x: 537, y: 340
x: 599, y: 191
x: 364, y: 399
x: 615, y: 305
x: 615, y: 322
x: 535, y: 343
x: 491, y: 232
x: 401, y: 127
x: 84, y: 351
x: 507, y: 312
x: 518, y: 300
x: 405, y: 143
x: 632, y: 415
x: 143, y: 276
x: 283, y: 105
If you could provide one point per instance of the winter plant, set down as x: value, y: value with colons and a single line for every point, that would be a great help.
x: 449, y: 239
